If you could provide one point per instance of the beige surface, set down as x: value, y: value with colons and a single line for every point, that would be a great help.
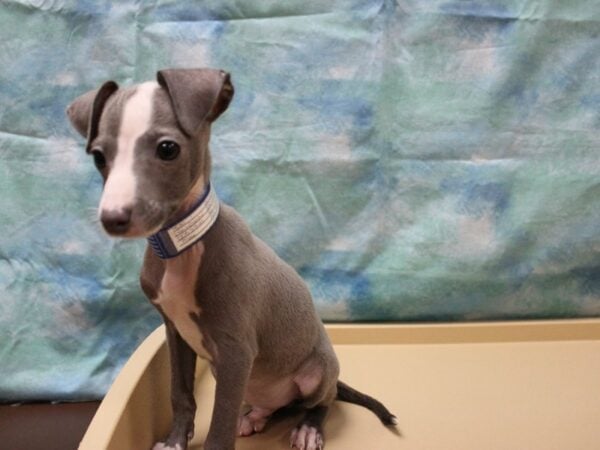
x: 517, y: 386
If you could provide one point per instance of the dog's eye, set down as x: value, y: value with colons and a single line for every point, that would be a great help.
x: 99, y: 159
x: 167, y: 150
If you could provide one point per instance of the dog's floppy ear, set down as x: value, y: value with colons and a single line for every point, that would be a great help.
x: 197, y: 95
x: 85, y: 111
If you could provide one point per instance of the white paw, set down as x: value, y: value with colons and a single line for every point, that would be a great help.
x: 306, y: 438
x: 163, y: 446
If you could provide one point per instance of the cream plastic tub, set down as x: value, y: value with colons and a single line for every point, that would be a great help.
x: 485, y: 386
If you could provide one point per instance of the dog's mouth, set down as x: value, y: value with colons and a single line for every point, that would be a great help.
x: 131, y: 232
x: 126, y: 229
x: 141, y: 221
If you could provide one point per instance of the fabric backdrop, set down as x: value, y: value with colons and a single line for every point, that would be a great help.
x: 414, y: 160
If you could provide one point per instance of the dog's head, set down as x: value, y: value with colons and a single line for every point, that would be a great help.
x: 150, y: 144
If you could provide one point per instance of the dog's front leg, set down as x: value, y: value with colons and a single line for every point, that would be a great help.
x: 183, y: 366
x: 232, y: 372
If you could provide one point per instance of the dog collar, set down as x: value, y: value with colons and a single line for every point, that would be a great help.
x: 177, y: 237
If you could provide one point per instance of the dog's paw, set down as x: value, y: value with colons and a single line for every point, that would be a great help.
x: 249, y: 424
x: 306, y: 438
x: 163, y: 446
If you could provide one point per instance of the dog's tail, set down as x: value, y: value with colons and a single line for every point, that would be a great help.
x: 347, y: 394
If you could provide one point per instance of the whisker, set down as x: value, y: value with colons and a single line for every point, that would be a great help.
x: 91, y: 214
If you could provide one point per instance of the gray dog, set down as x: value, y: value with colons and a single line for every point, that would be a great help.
x: 223, y: 293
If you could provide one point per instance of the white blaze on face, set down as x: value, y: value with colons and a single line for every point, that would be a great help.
x: 119, y: 190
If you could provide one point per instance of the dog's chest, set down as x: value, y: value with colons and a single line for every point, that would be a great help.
x: 176, y: 297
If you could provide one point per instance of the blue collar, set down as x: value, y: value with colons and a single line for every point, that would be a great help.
x: 177, y: 237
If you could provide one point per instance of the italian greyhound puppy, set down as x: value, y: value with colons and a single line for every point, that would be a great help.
x: 223, y: 293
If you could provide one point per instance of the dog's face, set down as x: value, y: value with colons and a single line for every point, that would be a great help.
x: 150, y: 144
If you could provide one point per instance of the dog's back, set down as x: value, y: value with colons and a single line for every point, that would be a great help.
x: 244, y: 283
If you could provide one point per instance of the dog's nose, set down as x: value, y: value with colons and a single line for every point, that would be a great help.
x: 116, y: 221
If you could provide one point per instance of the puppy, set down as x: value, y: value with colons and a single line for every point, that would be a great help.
x: 223, y: 293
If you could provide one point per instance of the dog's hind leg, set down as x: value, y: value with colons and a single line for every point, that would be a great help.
x: 183, y: 366
x: 308, y: 435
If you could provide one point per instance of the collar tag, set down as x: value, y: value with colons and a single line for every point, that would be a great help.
x: 178, y: 237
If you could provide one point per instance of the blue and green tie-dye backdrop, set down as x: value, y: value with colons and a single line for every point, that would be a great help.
x: 414, y: 160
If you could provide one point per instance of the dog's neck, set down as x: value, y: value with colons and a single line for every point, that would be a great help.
x: 192, y: 223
